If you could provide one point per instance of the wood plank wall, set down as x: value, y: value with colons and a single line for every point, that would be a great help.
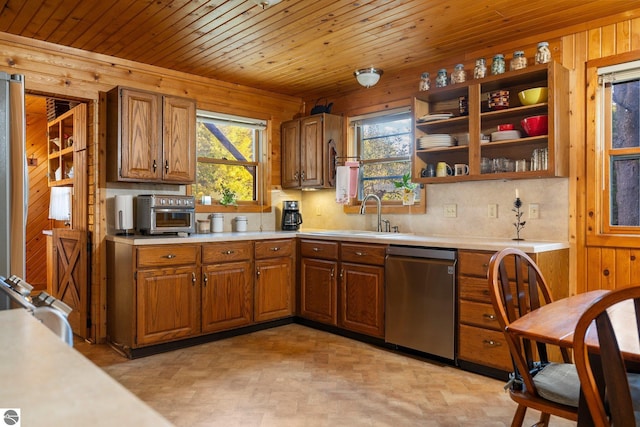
x: 596, y: 267
x: 38, y: 213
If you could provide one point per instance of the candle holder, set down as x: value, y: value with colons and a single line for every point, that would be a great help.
x: 519, y: 225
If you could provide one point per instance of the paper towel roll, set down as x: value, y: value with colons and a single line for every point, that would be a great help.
x: 124, y: 212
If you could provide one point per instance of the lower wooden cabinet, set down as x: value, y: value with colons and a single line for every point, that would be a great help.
x: 342, y: 284
x: 162, y: 293
x: 274, y: 286
x: 226, y: 295
x: 480, y: 339
x: 319, y: 290
x: 168, y: 304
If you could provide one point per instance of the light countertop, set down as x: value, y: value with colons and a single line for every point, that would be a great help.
x: 54, y: 385
x: 471, y: 243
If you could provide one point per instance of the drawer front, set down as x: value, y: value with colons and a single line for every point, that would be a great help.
x: 274, y: 248
x: 319, y: 249
x: 484, y: 347
x: 474, y: 288
x: 229, y: 251
x: 478, y: 314
x: 166, y: 255
x: 473, y: 263
x: 362, y: 253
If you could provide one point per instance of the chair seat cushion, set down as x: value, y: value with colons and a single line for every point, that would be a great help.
x: 558, y: 382
x: 634, y: 386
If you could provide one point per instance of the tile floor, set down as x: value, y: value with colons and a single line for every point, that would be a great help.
x: 294, y: 376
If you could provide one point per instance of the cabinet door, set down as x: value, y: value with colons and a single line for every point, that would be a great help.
x: 179, y: 140
x: 226, y: 296
x: 273, y: 289
x: 362, y: 298
x: 290, y: 154
x: 318, y: 290
x: 140, y: 143
x: 167, y: 304
x: 311, y: 151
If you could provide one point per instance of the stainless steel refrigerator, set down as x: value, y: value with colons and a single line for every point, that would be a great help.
x: 14, y: 186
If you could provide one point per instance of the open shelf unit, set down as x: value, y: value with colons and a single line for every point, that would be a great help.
x: 60, y: 148
x: 481, y: 120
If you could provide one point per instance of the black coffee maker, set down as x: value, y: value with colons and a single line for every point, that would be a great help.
x: 291, y: 218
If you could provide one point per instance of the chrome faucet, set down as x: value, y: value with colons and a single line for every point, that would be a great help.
x: 363, y: 207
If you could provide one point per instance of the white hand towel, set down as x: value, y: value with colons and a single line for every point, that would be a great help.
x: 60, y: 203
x: 343, y: 178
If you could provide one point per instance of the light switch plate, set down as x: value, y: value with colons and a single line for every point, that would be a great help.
x: 450, y: 210
x: 534, y: 211
x: 492, y: 210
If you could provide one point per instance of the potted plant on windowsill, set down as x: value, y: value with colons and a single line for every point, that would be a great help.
x: 228, y: 197
x: 408, y: 189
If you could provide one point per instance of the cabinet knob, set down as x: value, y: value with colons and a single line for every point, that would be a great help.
x: 258, y: 272
x: 205, y: 280
x: 361, y: 253
x: 193, y: 278
x: 155, y: 165
x: 332, y: 272
x: 170, y: 256
x: 489, y: 316
x: 302, y: 175
x: 274, y: 249
x: 166, y: 165
x: 296, y: 175
x: 229, y: 252
x: 317, y: 250
x: 492, y: 343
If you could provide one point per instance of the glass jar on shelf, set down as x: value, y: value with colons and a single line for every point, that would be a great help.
x: 425, y: 82
x: 441, y: 78
x: 543, y: 55
x: 480, y: 71
x: 498, y: 65
x: 459, y: 75
x: 519, y: 61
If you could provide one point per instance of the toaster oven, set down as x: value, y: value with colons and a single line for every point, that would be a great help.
x: 165, y: 214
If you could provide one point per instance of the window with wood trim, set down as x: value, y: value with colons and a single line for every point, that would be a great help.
x: 383, y: 144
x: 228, y: 151
x: 618, y: 148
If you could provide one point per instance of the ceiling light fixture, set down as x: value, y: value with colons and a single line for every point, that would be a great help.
x: 266, y: 3
x: 368, y: 77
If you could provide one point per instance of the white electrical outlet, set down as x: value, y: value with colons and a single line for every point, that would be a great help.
x: 450, y: 210
x: 534, y: 211
x: 492, y: 210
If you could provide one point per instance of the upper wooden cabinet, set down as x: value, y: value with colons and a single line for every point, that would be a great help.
x: 481, y: 120
x: 151, y: 137
x: 309, y: 149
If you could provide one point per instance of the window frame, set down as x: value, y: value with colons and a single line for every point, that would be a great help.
x: 353, y: 152
x: 600, y: 154
x: 263, y: 199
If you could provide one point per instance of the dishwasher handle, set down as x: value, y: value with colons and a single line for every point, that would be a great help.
x: 422, y: 252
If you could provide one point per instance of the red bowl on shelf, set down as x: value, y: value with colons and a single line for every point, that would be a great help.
x: 535, y: 125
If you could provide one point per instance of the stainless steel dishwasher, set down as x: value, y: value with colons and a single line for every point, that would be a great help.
x: 420, y: 310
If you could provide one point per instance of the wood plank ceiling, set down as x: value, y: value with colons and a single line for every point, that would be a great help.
x: 302, y: 48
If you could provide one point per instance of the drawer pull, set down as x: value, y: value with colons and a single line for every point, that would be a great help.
x: 205, y: 280
x: 361, y: 253
x: 170, y: 256
x: 332, y: 272
x: 317, y: 249
x: 275, y: 249
x: 492, y: 343
x: 489, y: 316
x: 229, y: 252
x: 193, y: 278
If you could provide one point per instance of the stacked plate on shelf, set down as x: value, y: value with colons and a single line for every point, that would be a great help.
x: 432, y: 117
x: 437, y: 140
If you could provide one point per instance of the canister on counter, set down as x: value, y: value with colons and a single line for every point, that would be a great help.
x: 217, y: 222
x: 241, y: 223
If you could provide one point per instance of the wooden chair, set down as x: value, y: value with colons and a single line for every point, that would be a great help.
x: 517, y: 286
x: 612, y: 394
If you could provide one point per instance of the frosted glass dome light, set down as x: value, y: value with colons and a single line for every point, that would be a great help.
x: 368, y: 77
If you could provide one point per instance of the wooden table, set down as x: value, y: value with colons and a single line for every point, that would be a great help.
x: 555, y: 323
